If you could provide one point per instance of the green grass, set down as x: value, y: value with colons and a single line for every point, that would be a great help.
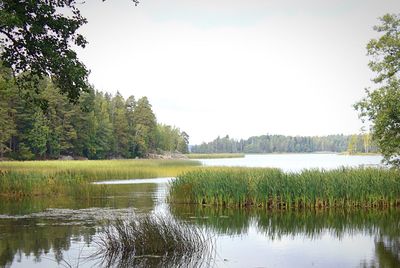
x: 274, y: 189
x: 16, y: 185
x: 212, y: 156
x: 33, y: 178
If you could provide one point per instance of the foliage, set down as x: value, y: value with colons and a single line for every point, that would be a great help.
x: 145, y: 127
x: 98, y: 126
x: 382, y: 105
x: 7, y: 112
x: 385, y: 51
x: 272, y: 188
x: 171, y: 139
x: 37, y: 37
x: 284, y: 144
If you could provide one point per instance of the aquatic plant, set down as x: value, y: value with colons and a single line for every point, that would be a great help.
x: 33, y: 178
x: 274, y: 189
x: 154, y: 241
x: 103, y: 169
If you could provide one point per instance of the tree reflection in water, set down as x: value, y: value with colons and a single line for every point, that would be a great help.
x: 384, y: 225
x: 60, y: 231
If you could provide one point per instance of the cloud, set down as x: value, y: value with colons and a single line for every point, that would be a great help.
x: 294, y: 68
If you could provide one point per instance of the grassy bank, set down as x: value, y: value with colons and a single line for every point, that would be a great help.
x: 274, y: 189
x: 213, y: 156
x: 74, y: 177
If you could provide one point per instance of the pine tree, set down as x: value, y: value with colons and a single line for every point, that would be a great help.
x: 144, y: 127
x: 120, y: 126
x: 38, y: 134
x: 7, y: 112
x: 103, y: 136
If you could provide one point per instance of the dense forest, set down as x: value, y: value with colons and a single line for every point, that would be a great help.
x: 98, y: 126
x: 361, y: 143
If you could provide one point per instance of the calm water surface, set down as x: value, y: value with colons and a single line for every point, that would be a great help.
x: 297, y: 162
x: 62, y: 232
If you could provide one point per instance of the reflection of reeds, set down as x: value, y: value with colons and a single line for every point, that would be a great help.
x: 154, y: 241
x: 274, y: 189
x: 306, y: 223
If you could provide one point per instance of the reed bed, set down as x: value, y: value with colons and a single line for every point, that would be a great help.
x: 274, y: 189
x: 212, y: 156
x: 154, y: 241
x: 17, y: 185
x: 103, y: 169
x: 32, y: 178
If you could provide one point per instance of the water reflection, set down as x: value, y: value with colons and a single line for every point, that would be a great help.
x: 154, y: 240
x: 309, y: 223
x: 382, y: 227
x: 387, y: 251
x: 58, y: 229
x: 31, y: 237
x: 41, y: 229
x: 142, y: 197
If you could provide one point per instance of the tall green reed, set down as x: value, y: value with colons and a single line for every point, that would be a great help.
x: 272, y: 188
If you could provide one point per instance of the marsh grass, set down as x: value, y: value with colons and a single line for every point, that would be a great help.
x: 16, y: 185
x: 93, y: 170
x: 274, y: 189
x: 154, y: 241
x: 32, y: 178
x: 212, y: 156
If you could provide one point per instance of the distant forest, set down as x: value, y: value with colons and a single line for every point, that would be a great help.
x: 46, y: 125
x: 352, y: 144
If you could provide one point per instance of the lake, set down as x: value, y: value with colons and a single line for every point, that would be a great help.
x: 297, y: 162
x: 48, y: 232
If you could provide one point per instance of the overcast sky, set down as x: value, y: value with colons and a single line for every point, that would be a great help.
x: 243, y: 68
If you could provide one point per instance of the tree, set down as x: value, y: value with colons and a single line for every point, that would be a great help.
x: 120, y: 126
x: 38, y: 134
x: 183, y: 145
x: 7, y: 112
x: 36, y: 37
x: 382, y: 105
x: 103, y: 137
x: 130, y: 107
x: 352, y: 147
x: 145, y: 127
x: 60, y: 114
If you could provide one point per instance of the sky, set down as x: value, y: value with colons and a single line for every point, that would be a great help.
x: 242, y: 68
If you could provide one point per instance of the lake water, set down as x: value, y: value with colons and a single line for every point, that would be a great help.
x: 63, y: 232
x: 297, y: 162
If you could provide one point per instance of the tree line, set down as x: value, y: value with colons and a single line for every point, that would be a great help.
x: 361, y: 143
x: 98, y: 126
